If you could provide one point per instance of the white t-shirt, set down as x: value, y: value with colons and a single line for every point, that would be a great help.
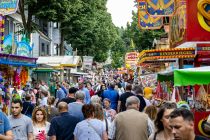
x: 38, y: 130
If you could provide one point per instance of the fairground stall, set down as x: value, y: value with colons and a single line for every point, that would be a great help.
x: 199, y: 95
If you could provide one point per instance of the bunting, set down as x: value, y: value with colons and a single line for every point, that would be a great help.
x: 160, y: 7
x: 145, y: 21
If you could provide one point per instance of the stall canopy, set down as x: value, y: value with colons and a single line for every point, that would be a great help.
x: 60, y: 61
x: 192, y: 76
x: 165, y: 76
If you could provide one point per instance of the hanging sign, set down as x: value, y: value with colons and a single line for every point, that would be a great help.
x: 160, y: 7
x: 7, y: 44
x: 23, y: 49
x: 87, y: 62
x: 145, y: 21
x: 8, y: 6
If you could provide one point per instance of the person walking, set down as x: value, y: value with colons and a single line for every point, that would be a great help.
x: 62, y: 127
x: 90, y: 128
x: 22, y: 127
x: 60, y: 93
x: 139, y: 93
x: 124, y: 97
x: 27, y: 106
x: 75, y: 108
x: 85, y: 91
x: 51, y: 110
x: 112, y: 95
x: 109, y: 113
x: 40, y: 124
x: 181, y: 122
x: 5, y: 129
x: 164, y: 131
x: 71, y: 96
x: 131, y: 124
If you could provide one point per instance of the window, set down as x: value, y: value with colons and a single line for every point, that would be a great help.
x: 48, y: 50
x: 55, y: 25
x: 56, y: 49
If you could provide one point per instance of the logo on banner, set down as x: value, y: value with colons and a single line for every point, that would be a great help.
x: 203, y: 14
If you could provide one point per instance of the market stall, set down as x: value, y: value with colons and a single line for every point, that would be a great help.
x: 194, y: 77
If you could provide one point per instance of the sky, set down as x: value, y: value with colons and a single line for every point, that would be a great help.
x: 121, y: 11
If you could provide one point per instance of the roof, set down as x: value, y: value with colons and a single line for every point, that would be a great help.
x: 59, y: 61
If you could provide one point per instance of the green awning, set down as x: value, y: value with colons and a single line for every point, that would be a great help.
x: 44, y: 70
x: 192, y: 76
x: 165, y: 76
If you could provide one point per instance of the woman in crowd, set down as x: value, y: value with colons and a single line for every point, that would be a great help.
x: 109, y: 113
x: 151, y: 111
x: 40, y: 124
x: 95, y: 99
x: 100, y: 115
x: 163, y: 132
x: 51, y: 110
x: 90, y: 128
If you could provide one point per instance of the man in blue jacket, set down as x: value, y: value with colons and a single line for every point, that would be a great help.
x: 112, y: 95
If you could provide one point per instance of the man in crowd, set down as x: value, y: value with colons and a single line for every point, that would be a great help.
x: 85, y: 91
x: 181, y: 122
x: 139, y: 93
x: 131, y: 124
x: 5, y: 129
x: 62, y: 127
x: 124, y: 96
x: 71, y: 96
x: 28, y: 107
x: 112, y: 95
x: 59, y: 93
x: 75, y: 108
x: 21, y: 125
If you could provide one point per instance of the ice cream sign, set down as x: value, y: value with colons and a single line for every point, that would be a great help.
x: 8, y: 6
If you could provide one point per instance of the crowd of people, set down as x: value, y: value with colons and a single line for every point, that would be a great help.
x: 113, y: 110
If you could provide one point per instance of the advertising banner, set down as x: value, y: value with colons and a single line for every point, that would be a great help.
x: 87, y: 62
x: 160, y: 7
x: 145, y: 21
x: 8, y: 6
x: 131, y: 59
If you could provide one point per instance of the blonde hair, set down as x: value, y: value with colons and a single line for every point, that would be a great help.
x: 36, y: 109
x: 98, y: 113
x: 151, y: 111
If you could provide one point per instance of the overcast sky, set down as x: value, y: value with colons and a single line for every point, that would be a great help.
x: 121, y: 11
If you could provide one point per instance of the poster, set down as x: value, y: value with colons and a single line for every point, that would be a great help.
x: 87, y: 62
x: 8, y: 6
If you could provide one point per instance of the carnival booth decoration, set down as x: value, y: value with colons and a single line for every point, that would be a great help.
x: 160, y: 7
x: 145, y: 21
x: 197, y: 76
